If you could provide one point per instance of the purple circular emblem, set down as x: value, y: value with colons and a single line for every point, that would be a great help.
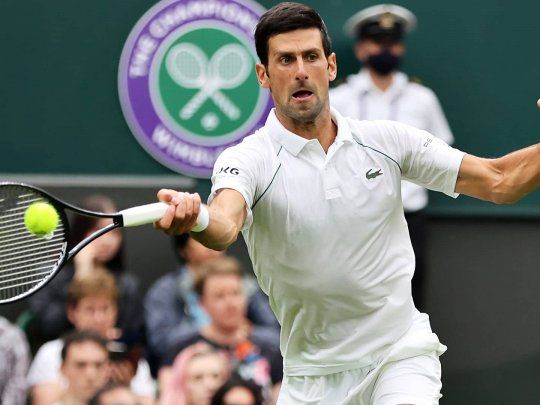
x: 187, y: 82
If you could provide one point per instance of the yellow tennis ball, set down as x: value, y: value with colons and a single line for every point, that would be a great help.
x: 41, y: 218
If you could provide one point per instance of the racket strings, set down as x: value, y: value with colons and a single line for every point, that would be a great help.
x: 26, y: 260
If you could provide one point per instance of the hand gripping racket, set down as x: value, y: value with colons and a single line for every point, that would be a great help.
x: 28, y: 262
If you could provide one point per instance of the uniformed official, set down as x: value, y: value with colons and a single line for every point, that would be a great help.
x: 381, y: 92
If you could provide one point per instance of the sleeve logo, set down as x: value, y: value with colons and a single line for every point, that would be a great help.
x: 229, y: 170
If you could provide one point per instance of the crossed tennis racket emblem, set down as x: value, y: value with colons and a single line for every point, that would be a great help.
x: 228, y: 68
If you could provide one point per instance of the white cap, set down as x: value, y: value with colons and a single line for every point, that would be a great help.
x: 378, y: 13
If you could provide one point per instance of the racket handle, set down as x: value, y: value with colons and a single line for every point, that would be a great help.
x: 146, y: 214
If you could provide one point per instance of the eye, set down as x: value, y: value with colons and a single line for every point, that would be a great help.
x: 286, y: 59
x: 312, y: 57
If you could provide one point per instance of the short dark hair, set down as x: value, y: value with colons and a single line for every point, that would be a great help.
x: 286, y: 17
x: 236, y: 381
x: 81, y: 336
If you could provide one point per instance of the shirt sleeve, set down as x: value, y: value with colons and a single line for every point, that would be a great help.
x: 425, y: 159
x: 237, y: 169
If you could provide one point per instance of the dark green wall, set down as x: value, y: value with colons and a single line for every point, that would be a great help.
x: 60, y: 111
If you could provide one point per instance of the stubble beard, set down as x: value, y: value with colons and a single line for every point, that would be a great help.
x: 302, y: 115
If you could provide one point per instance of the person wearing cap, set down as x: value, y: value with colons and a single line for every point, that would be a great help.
x: 381, y: 92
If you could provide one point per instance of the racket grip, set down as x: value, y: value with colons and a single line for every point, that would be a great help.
x: 146, y: 214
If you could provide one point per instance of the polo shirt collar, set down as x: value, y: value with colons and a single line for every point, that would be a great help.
x: 294, y: 143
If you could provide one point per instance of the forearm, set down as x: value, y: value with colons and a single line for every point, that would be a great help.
x: 519, y: 174
x: 227, y: 214
x: 220, y: 233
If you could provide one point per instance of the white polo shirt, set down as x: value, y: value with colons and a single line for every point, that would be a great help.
x: 404, y: 101
x: 327, y: 236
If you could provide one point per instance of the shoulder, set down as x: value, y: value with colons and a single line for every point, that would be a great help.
x: 49, y: 351
x: 174, y: 350
x: 341, y: 89
x: 255, y: 155
x: 384, y: 136
x: 253, y: 146
x: 376, y: 131
x: 162, y: 286
x: 266, y: 337
x: 420, y: 92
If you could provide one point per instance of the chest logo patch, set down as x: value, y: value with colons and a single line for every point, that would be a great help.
x: 370, y: 174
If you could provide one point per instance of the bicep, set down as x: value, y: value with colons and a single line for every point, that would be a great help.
x: 477, y: 177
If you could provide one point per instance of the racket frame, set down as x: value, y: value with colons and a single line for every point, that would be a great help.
x: 60, y: 207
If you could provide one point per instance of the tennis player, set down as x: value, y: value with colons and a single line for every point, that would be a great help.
x: 317, y: 198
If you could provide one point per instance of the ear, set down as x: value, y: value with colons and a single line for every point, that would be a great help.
x: 360, y: 52
x: 70, y: 312
x: 332, y: 66
x: 262, y: 76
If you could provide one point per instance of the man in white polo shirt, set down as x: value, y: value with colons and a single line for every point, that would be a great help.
x: 317, y: 198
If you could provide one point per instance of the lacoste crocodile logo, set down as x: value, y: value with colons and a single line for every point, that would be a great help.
x: 370, y: 175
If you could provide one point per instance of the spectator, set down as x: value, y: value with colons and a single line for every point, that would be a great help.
x: 253, y: 350
x: 84, y: 365
x: 237, y: 391
x: 48, y: 305
x: 195, y: 376
x: 91, y: 305
x: 114, y: 394
x: 14, y: 361
x: 172, y: 309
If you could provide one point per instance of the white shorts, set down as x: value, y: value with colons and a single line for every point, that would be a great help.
x: 408, y: 373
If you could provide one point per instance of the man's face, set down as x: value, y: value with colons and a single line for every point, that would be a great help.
x: 95, y: 313
x: 224, y: 299
x: 369, y: 47
x: 298, y: 74
x: 85, y: 368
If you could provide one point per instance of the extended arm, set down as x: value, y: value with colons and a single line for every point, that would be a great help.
x: 504, y: 180
x: 227, y: 215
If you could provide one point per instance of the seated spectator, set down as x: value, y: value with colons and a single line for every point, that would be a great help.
x: 171, y: 307
x: 253, y: 350
x: 237, y: 391
x: 14, y: 361
x: 84, y: 365
x: 195, y: 376
x: 114, y: 394
x: 48, y: 305
x: 91, y: 305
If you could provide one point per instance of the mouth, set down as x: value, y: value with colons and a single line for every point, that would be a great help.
x: 302, y: 95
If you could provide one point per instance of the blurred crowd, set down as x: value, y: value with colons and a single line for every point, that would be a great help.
x: 201, y: 334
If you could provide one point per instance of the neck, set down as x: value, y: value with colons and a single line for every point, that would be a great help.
x: 321, y: 128
x: 70, y: 399
x: 224, y: 337
x: 383, y: 82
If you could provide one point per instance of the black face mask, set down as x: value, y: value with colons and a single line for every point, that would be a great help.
x: 384, y: 63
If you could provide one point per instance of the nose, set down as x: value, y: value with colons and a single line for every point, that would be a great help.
x: 301, y: 73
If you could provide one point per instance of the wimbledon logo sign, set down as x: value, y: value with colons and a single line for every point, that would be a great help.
x: 187, y: 81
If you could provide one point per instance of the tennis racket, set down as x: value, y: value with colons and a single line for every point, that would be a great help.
x: 28, y: 262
